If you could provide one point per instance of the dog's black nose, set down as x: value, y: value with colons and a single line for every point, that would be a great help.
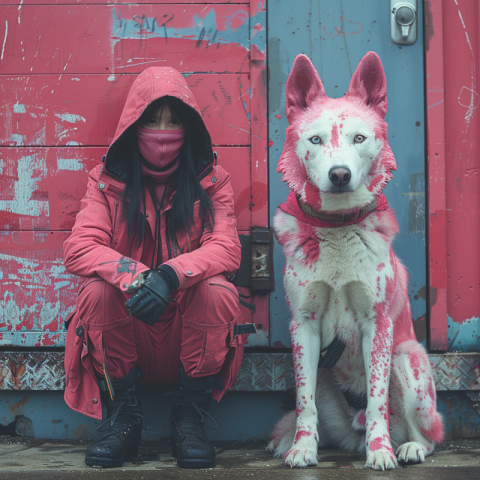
x: 340, y: 176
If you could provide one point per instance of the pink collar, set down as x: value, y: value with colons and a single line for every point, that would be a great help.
x: 335, y: 219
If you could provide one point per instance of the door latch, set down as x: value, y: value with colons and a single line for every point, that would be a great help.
x: 256, y: 269
x: 262, y: 271
x: 404, y: 21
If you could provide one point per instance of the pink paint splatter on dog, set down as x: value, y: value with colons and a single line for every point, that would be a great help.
x: 334, y: 134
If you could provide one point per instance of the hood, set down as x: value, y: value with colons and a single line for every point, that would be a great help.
x: 152, y: 84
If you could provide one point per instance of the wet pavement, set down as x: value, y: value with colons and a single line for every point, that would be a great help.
x: 44, y: 460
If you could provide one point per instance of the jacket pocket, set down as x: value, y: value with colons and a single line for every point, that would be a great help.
x: 215, y: 343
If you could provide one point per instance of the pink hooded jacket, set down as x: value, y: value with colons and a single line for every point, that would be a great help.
x: 99, y: 237
x: 100, y: 245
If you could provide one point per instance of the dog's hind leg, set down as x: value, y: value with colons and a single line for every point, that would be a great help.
x: 339, y: 426
x: 306, y: 354
x: 414, y: 402
x: 283, y: 435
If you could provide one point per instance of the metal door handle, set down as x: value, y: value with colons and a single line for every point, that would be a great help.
x: 404, y: 22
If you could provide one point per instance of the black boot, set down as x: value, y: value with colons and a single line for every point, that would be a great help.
x: 119, y: 435
x: 190, y: 444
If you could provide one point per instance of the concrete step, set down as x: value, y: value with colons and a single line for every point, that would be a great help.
x: 234, y: 460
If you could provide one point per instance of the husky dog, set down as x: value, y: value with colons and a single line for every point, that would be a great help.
x: 346, y: 289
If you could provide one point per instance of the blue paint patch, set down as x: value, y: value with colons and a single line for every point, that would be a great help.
x: 245, y: 108
x: 465, y: 336
x: 205, y: 29
x: 258, y: 31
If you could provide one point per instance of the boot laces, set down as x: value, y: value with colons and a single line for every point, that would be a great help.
x: 197, y: 415
x: 128, y: 402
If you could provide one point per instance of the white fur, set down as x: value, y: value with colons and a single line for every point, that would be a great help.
x: 336, y: 296
x: 320, y: 158
x: 347, y: 282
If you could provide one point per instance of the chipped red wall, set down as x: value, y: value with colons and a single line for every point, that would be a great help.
x: 453, y: 63
x: 66, y: 67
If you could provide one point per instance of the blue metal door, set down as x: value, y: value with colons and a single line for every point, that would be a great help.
x: 335, y: 36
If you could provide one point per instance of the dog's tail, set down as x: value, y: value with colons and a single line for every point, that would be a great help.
x: 283, y: 435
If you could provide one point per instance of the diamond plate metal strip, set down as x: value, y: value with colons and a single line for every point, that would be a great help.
x: 456, y: 371
x: 265, y: 372
x: 260, y: 372
x: 32, y: 371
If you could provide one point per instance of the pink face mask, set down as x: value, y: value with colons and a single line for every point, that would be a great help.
x: 160, y: 147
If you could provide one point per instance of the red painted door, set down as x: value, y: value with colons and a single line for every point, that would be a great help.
x: 66, y: 67
x: 453, y: 69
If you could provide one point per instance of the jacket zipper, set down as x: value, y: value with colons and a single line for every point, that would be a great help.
x: 158, y: 245
x: 115, y: 216
x: 167, y: 236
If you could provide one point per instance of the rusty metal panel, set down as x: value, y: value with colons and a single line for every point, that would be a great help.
x: 461, y: 416
x: 260, y: 372
x: 32, y: 371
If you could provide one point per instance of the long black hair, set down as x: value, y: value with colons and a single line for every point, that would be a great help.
x: 125, y: 161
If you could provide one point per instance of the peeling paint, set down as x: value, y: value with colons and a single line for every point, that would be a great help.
x: 18, y: 139
x: 463, y: 336
x: 19, y: 108
x: 235, y: 30
x: 30, y: 170
x: 73, y: 164
x: 70, y: 117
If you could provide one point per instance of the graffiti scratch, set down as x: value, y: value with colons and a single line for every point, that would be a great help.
x: 356, y: 26
x: 5, y: 39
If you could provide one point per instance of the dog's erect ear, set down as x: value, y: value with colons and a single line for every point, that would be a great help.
x: 303, y: 86
x: 370, y: 84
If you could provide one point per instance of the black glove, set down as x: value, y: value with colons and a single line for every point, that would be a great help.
x: 152, y: 297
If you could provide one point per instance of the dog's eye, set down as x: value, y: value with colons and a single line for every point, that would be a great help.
x: 316, y: 140
x: 359, y: 139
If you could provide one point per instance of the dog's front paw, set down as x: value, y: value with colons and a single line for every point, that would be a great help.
x: 303, y: 453
x: 412, y: 452
x: 382, y: 459
x: 298, y: 458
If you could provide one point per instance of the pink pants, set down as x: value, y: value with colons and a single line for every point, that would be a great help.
x: 196, y: 331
